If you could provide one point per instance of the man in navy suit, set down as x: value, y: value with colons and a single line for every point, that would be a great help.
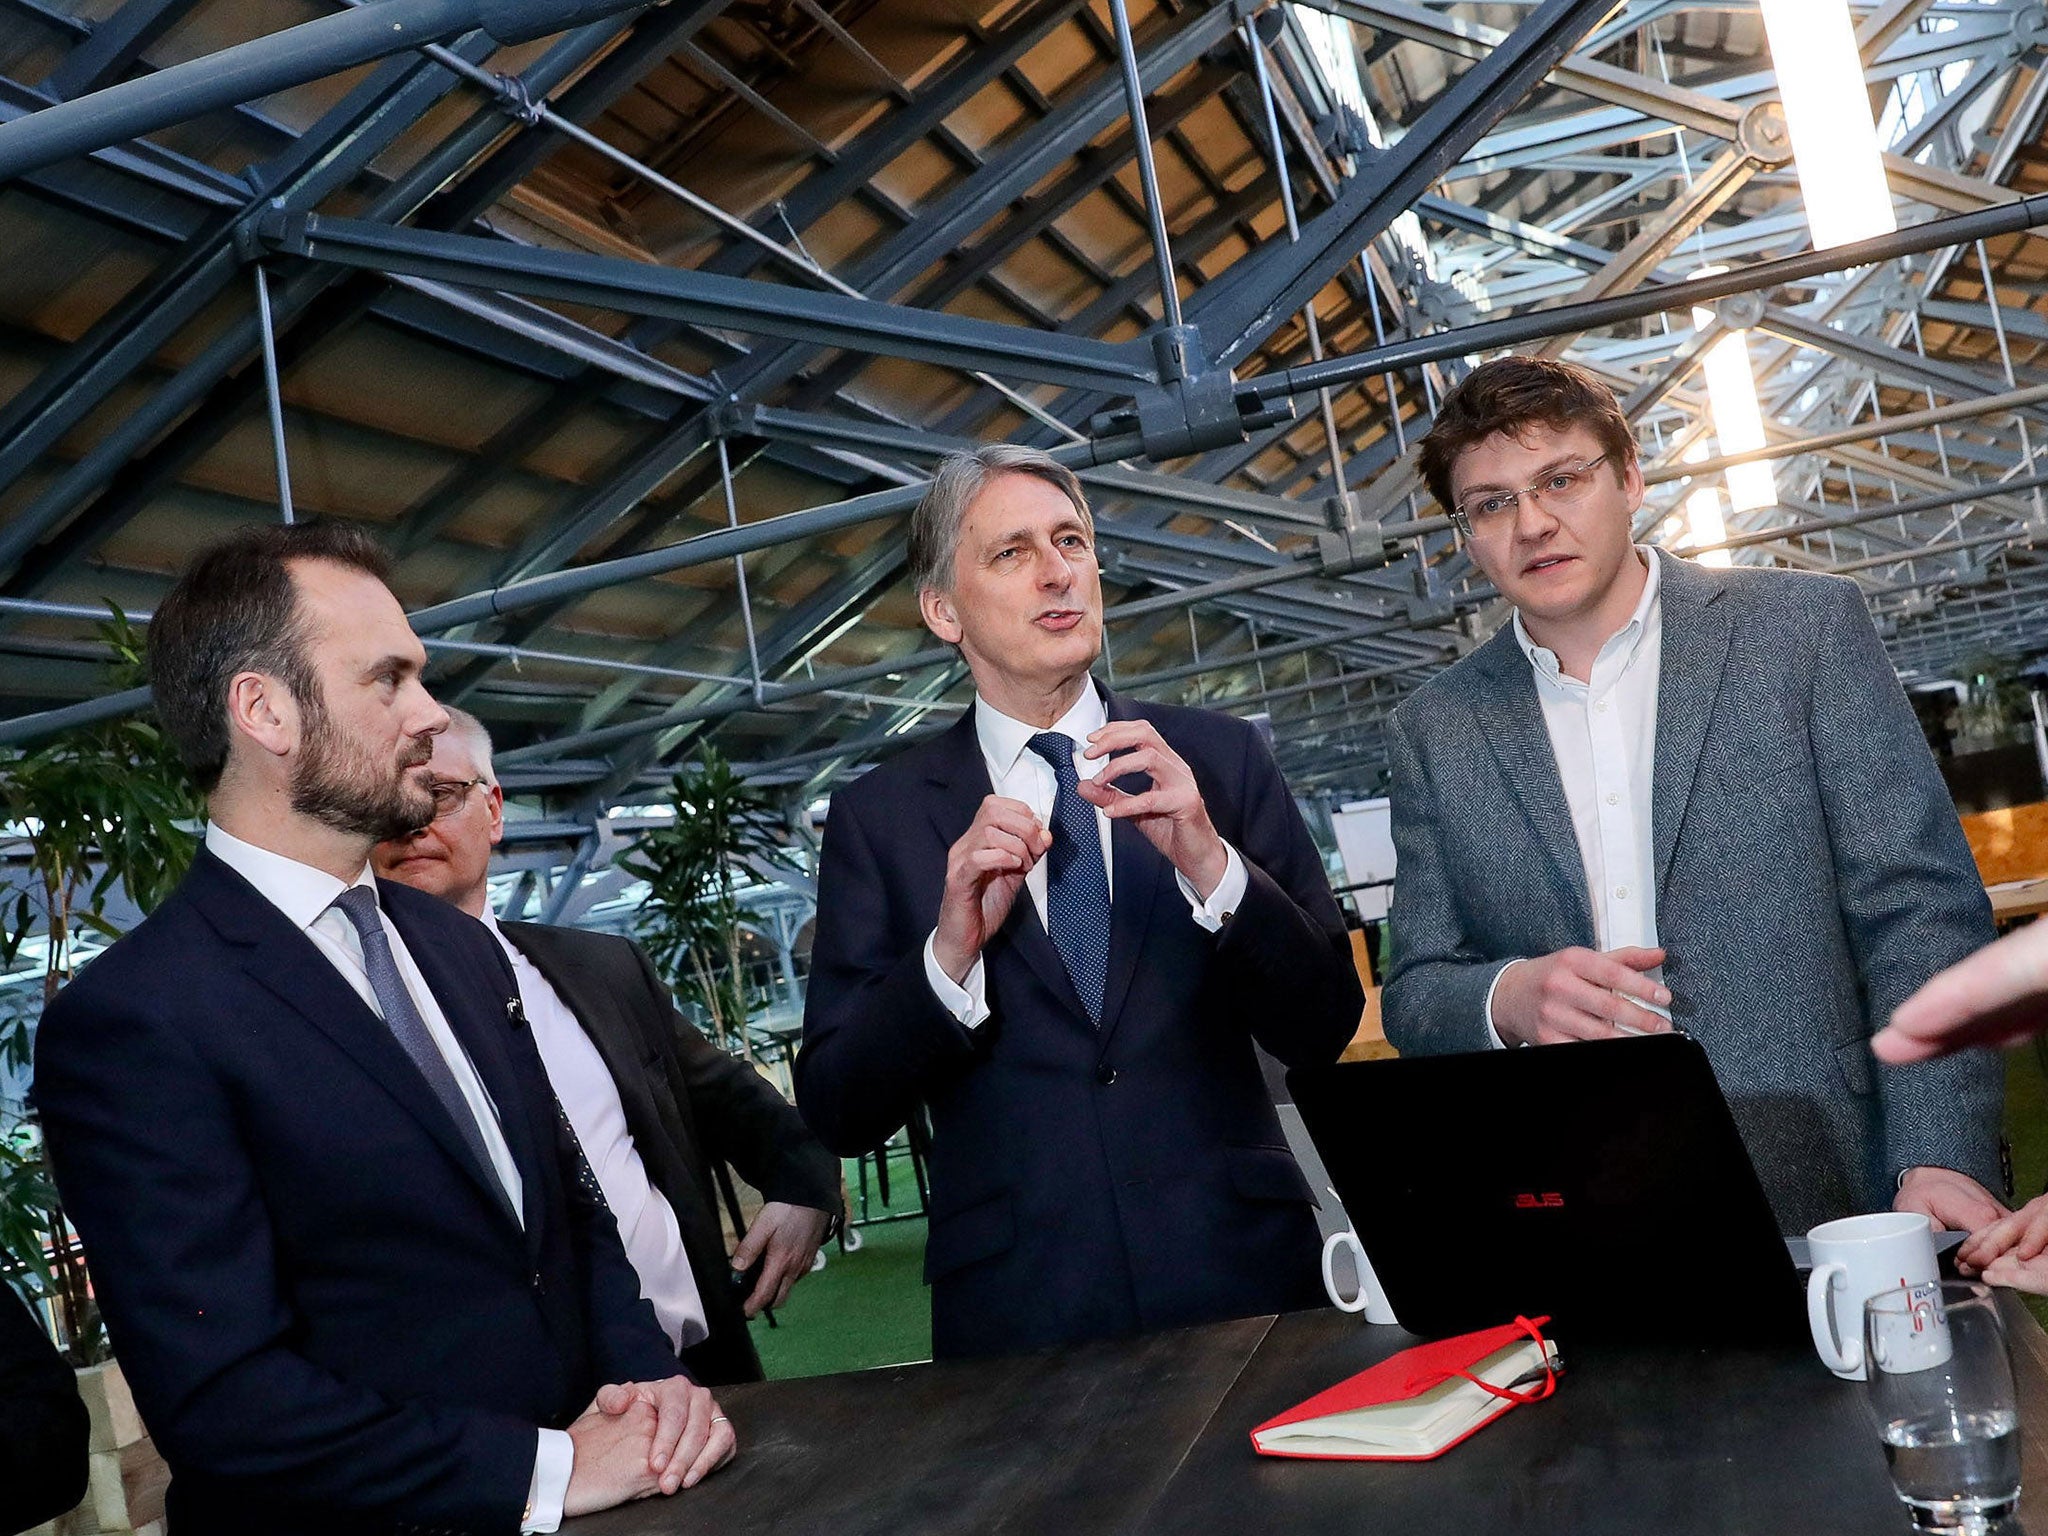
x: 336, y: 1224
x: 1105, y: 1157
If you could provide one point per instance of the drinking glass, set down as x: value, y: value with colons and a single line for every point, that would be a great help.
x: 1941, y: 1381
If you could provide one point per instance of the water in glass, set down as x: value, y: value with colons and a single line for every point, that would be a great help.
x: 1956, y: 1471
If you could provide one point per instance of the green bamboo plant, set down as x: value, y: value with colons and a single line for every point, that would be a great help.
x: 694, y: 867
x: 103, y: 808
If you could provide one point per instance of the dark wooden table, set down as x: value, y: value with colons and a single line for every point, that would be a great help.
x: 1151, y: 1436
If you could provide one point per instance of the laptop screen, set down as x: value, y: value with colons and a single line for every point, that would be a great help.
x: 1602, y: 1183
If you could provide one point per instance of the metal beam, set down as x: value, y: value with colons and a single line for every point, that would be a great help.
x: 1489, y: 335
x: 1862, y: 432
x: 1239, y: 311
x: 679, y: 293
x: 265, y: 65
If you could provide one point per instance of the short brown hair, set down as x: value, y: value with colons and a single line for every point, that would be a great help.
x: 1512, y: 393
x: 236, y: 609
x: 935, y: 525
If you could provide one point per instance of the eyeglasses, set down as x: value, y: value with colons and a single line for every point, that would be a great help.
x: 1558, y: 491
x: 450, y: 795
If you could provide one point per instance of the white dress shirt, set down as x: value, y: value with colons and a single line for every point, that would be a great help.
x: 306, y: 896
x: 590, y: 1097
x: 1603, y: 733
x: 1018, y: 773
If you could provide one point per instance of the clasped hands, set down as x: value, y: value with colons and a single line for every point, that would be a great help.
x: 640, y: 1438
x: 987, y: 866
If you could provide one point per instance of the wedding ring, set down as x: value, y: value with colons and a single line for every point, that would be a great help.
x: 719, y: 1418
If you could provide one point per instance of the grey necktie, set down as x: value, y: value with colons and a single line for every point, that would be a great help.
x: 359, y: 905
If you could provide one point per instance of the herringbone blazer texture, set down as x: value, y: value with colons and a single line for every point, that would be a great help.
x: 1811, y: 875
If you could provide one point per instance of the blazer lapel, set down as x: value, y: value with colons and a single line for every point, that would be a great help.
x: 1511, y: 719
x: 1695, y: 654
x: 483, y: 1023
x: 282, y: 960
x: 1139, y: 875
x: 594, y: 1008
x: 959, y: 778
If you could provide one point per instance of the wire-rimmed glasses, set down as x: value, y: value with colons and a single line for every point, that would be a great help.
x: 450, y: 795
x: 1559, y: 490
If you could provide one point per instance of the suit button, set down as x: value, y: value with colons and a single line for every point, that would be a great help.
x: 1105, y: 1074
x: 539, y: 1285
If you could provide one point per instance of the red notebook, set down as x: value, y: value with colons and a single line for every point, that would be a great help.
x: 1418, y: 1404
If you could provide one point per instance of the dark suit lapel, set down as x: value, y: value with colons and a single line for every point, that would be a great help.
x: 667, y: 1139
x: 1139, y: 874
x: 1511, y: 719
x: 282, y: 960
x: 591, y: 1002
x: 483, y: 1023
x: 1695, y: 654
x: 959, y: 778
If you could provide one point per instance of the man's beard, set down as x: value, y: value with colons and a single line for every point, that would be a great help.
x: 350, y: 794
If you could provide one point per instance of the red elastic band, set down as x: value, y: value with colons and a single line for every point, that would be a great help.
x: 1535, y: 1394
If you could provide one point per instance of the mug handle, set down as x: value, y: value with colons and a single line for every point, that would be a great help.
x: 1820, y: 1318
x: 1331, y: 1244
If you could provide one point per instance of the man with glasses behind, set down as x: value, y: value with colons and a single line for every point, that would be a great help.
x: 651, y: 1100
x: 1667, y: 795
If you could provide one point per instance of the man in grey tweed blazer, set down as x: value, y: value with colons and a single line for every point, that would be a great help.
x: 1666, y: 794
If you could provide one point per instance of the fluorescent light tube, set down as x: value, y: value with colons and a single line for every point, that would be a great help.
x: 1738, y: 419
x: 1827, y: 107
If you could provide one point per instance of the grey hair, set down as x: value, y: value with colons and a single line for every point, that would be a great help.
x: 935, y: 525
x: 470, y: 731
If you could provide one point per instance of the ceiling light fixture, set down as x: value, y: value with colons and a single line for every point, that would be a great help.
x: 1704, y: 523
x: 1738, y: 419
x: 1827, y: 108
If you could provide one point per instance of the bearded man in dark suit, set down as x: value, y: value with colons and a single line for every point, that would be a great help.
x: 340, y: 1235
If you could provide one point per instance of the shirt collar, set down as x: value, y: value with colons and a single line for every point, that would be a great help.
x: 1627, y: 638
x: 1004, y: 740
x: 299, y: 891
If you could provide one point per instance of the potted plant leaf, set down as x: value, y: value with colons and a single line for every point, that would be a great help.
x: 693, y: 920
x: 103, y: 819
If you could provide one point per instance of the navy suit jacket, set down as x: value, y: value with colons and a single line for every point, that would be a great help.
x: 329, y: 1318
x: 1084, y: 1182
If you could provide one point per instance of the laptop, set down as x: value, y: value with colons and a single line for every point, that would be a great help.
x: 1602, y: 1183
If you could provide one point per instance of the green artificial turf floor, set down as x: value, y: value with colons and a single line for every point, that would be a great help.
x: 862, y: 1309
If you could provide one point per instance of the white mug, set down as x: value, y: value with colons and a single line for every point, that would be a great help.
x: 1854, y: 1259
x: 1906, y: 1330
x: 1372, y: 1296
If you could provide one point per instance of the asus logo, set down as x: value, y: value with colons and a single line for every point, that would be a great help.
x: 1549, y: 1201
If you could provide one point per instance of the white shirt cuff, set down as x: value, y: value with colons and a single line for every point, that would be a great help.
x: 552, y: 1463
x: 968, y: 1001
x: 1492, y: 1034
x: 1224, y: 900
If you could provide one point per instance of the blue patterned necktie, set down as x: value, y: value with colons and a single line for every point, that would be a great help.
x: 1077, y: 886
x: 402, y: 1015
